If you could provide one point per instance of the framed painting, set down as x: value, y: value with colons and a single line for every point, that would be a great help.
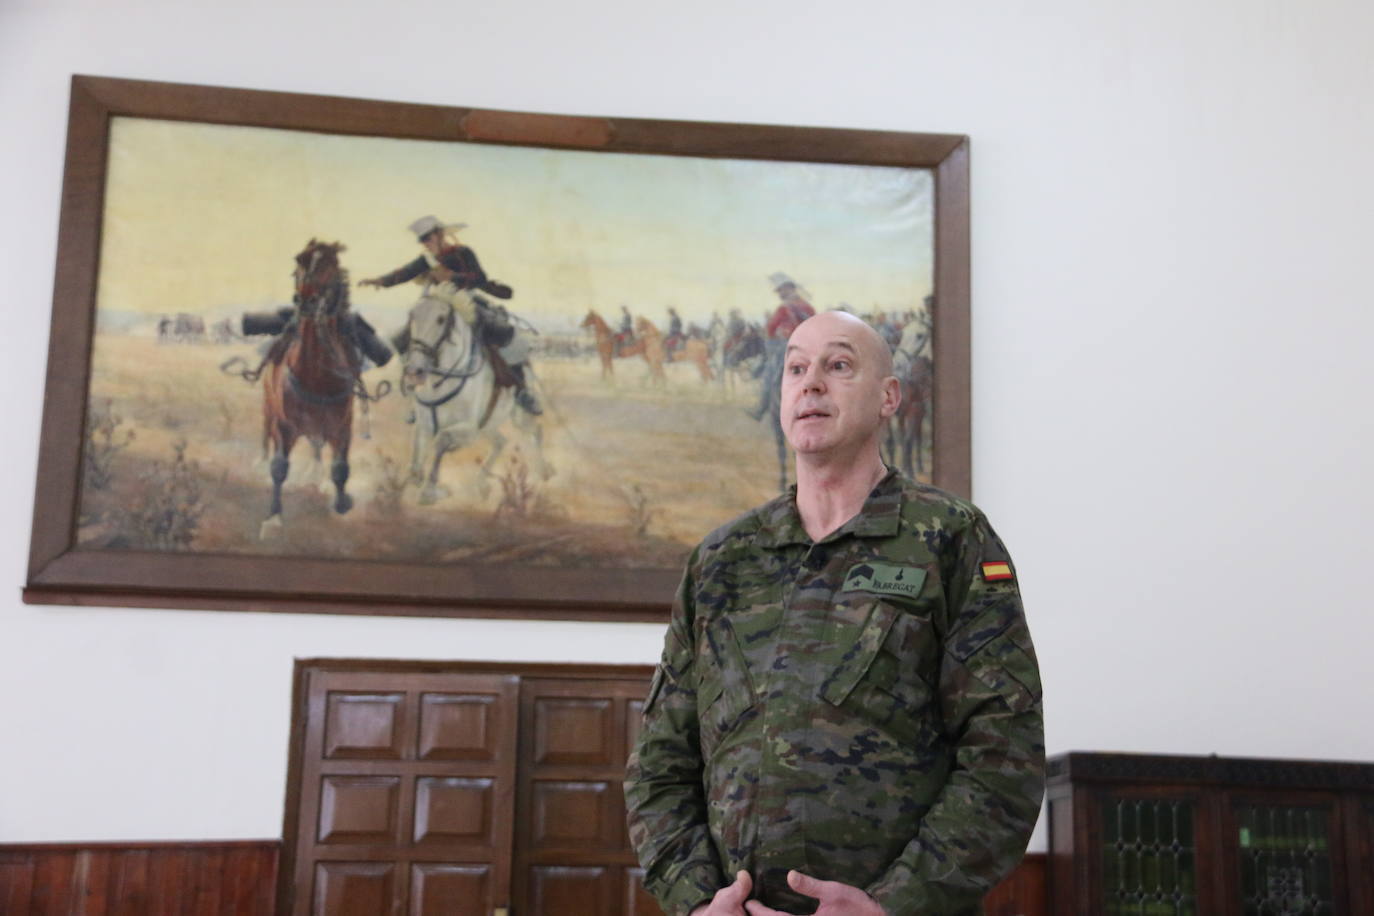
x: 336, y: 355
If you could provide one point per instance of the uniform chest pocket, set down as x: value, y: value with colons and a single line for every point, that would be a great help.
x: 725, y: 689
x: 885, y: 678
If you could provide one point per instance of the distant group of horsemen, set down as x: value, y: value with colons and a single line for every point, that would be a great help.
x: 451, y: 272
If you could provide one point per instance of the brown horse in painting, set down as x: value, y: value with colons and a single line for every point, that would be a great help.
x: 693, y: 350
x: 605, y: 343
x: 308, y: 388
x: 650, y: 342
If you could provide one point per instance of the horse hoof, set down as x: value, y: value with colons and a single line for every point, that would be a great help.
x: 343, y: 503
x: 271, y: 528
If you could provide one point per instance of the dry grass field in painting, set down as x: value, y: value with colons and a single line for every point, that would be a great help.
x: 174, y: 461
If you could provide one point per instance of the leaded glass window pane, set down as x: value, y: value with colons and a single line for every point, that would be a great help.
x: 1150, y: 858
x: 1285, y: 862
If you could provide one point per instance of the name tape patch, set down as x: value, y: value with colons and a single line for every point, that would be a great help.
x: 885, y: 579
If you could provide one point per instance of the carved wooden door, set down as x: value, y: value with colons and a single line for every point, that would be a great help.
x: 417, y: 789
x: 406, y: 796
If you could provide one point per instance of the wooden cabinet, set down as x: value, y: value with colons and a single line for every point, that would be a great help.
x: 1194, y: 836
x: 461, y: 789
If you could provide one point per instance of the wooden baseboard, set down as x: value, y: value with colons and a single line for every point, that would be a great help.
x: 140, y: 878
x: 238, y: 878
x: 1024, y: 892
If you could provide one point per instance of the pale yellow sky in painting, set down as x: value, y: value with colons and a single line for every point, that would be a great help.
x: 206, y: 219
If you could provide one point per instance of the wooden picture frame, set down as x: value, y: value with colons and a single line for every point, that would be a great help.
x: 62, y: 571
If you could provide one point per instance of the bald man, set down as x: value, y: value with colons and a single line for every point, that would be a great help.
x: 846, y: 718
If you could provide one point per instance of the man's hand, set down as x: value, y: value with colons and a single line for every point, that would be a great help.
x: 729, y: 901
x: 836, y: 899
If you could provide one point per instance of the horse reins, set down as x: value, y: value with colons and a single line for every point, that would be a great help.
x: 355, y: 386
x: 475, y: 364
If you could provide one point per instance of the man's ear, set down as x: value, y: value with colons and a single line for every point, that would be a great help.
x: 892, y: 397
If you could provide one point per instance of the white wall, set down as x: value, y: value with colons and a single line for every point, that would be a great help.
x: 1171, y: 224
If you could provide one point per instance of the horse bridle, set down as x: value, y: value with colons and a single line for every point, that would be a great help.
x: 319, y: 301
x: 431, y: 354
x: 431, y: 351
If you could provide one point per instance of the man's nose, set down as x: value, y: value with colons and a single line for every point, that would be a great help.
x: 812, y: 380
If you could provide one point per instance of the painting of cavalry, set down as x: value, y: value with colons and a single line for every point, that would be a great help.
x: 385, y: 349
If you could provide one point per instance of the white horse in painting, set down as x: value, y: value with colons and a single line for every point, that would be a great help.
x: 452, y: 387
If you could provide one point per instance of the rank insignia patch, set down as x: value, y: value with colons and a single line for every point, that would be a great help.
x: 996, y: 572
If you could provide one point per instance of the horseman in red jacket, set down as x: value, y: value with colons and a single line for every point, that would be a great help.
x: 791, y: 311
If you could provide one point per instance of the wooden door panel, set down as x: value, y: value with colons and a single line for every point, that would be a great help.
x: 573, y: 731
x: 359, y: 809
x: 354, y: 889
x: 576, y: 815
x: 363, y: 726
x: 455, y: 810
x: 458, y: 726
x: 451, y: 890
x: 563, y: 891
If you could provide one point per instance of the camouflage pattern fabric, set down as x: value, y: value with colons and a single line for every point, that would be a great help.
x: 864, y: 709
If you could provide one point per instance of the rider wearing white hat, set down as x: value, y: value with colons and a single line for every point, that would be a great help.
x: 444, y: 262
x: 451, y: 272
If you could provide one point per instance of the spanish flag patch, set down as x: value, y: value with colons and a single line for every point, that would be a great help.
x: 996, y: 572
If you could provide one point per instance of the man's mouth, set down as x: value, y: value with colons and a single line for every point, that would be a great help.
x: 811, y: 413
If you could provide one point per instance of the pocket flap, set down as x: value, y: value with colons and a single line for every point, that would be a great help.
x: 857, y: 660
x: 990, y: 623
x: 1010, y: 671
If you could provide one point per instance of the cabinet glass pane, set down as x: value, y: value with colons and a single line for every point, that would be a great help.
x: 1150, y: 862
x: 1285, y: 861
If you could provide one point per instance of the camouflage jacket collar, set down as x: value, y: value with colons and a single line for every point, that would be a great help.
x: 781, y: 524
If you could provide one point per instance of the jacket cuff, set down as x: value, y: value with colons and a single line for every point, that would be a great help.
x: 686, y: 889
x: 897, y: 892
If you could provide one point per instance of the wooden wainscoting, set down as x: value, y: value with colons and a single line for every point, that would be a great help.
x: 1025, y: 892
x: 139, y: 879
x: 237, y: 879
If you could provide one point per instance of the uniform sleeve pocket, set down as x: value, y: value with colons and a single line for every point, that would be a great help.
x: 991, y: 622
x: 1008, y: 668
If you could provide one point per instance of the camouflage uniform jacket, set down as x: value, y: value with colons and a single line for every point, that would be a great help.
x: 865, y: 709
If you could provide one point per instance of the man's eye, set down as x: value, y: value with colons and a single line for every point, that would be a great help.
x: 840, y: 365
x: 794, y: 369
